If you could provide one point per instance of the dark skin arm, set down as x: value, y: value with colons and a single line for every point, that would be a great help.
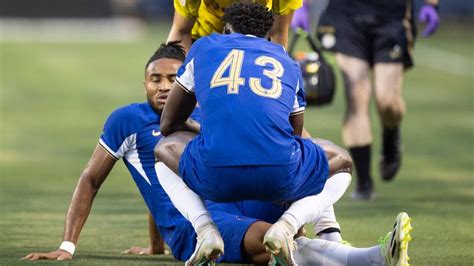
x: 177, y: 110
x: 92, y: 177
x: 297, y: 122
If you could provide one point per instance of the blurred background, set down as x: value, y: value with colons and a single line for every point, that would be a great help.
x: 66, y: 65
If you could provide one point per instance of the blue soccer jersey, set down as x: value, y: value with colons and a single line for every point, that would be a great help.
x: 131, y: 133
x: 247, y: 88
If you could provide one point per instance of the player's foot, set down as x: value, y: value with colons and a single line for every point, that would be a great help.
x: 279, y: 242
x: 363, y: 192
x: 209, y: 247
x: 391, y: 156
x: 394, y: 245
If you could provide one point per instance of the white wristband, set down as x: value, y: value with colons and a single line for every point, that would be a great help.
x: 68, y: 246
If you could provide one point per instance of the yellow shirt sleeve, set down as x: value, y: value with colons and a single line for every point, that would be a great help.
x: 187, y: 8
x: 284, y: 7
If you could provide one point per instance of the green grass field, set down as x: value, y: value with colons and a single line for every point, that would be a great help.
x: 56, y: 96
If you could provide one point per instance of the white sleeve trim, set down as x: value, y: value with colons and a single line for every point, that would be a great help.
x: 186, y: 80
x: 126, y: 145
x: 296, y: 106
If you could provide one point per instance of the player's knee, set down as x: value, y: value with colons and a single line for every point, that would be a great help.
x: 163, y: 149
x: 345, y: 162
x: 390, y: 107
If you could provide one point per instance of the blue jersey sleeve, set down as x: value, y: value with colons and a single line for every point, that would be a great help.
x: 300, y: 102
x: 118, y: 136
x: 196, y: 115
x: 185, y: 75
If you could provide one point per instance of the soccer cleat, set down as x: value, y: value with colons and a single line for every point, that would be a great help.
x: 363, y: 193
x: 391, y: 156
x: 279, y: 242
x: 394, y: 246
x: 209, y: 247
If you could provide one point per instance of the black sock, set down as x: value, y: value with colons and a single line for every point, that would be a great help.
x: 361, y: 157
x: 390, y: 141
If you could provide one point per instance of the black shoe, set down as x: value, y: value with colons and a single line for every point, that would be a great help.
x: 391, y: 156
x: 365, y: 192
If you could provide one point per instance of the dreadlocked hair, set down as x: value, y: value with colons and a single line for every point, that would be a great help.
x: 173, y: 50
x: 249, y: 18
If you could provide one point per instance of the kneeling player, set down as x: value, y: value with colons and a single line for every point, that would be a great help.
x: 252, y: 104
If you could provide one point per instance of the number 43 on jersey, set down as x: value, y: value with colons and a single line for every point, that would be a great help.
x: 233, y: 62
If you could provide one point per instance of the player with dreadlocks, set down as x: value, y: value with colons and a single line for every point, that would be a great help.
x: 249, y: 147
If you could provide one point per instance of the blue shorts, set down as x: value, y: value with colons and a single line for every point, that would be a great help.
x: 285, y: 183
x: 232, y: 222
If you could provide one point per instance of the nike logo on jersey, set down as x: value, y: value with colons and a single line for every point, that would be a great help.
x: 155, y: 134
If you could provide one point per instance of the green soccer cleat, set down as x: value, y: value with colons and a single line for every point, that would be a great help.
x: 394, y: 245
x: 209, y: 247
x: 279, y: 242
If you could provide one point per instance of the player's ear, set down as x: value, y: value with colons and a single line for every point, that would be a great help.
x: 227, y: 29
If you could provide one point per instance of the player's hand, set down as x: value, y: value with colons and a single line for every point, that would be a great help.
x: 301, y: 18
x: 429, y: 16
x: 55, y: 255
x: 145, y: 251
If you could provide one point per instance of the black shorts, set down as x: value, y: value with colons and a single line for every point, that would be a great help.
x: 369, y: 37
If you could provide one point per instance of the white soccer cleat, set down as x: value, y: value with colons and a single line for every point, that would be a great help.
x: 394, y: 245
x: 209, y: 247
x: 279, y: 242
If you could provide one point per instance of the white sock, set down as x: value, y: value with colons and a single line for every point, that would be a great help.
x: 333, y: 236
x: 309, y: 209
x: 188, y: 203
x: 325, y: 221
x: 322, y: 252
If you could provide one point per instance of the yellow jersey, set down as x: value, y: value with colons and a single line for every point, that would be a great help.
x: 208, y: 13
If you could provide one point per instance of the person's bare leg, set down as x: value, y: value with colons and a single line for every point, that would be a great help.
x: 356, y: 128
x: 391, y: 108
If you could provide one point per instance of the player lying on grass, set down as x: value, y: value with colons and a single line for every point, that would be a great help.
x: 249, y: 92
x: 194, y: 19
x: 131, y: 133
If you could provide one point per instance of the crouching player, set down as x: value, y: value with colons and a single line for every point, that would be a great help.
x: 131, y: 133
x: 251, y: 103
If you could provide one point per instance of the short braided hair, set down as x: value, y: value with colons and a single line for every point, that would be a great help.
x: 173, y: 50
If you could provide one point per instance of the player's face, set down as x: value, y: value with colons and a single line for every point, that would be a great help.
x: 159, y: 77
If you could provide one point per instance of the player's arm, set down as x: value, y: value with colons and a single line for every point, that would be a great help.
x: 283, y: 10
x: 279, y: 31
x: 185, y: 14
x: 157, y: 245
x: 92, y: 177
x: 177, y: 110
x: 297, y: 121
x: 181, y: 30
x: 299, y: 106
